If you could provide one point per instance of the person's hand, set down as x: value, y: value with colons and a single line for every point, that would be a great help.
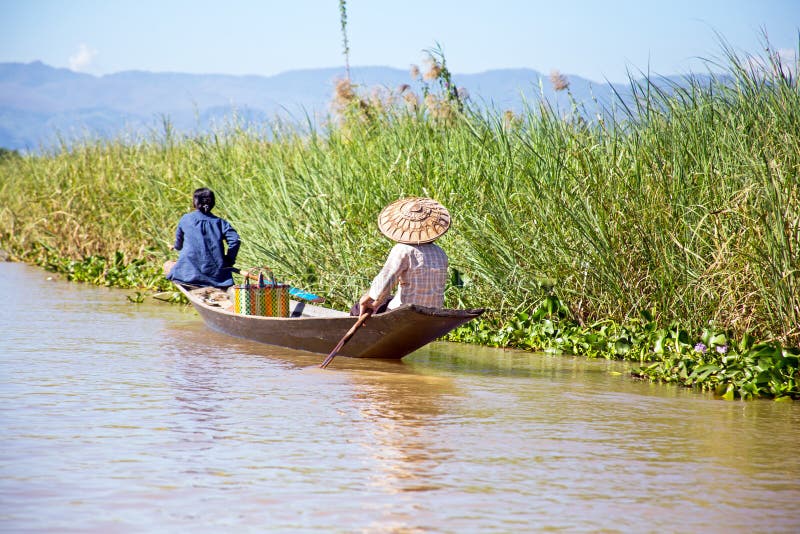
x: 168, y: 265
x: 366, y: 303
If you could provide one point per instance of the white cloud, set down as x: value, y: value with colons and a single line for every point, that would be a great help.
x: 788, y: 59
x: 82, y: 59
x: 785, y: 57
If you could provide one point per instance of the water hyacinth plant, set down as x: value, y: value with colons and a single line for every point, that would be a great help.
x: 623, y: 236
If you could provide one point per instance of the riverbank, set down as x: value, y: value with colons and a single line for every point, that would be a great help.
x: 665, y: 232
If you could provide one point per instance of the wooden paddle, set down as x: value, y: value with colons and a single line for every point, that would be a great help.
x: 346, y: 338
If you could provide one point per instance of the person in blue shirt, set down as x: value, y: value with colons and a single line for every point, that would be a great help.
x: 201, y: 237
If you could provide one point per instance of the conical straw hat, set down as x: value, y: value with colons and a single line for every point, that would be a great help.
x: 414, y: 220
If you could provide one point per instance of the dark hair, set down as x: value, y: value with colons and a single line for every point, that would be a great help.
x: 204, y: 199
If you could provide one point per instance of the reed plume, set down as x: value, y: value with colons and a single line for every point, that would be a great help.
x: 558, y: 81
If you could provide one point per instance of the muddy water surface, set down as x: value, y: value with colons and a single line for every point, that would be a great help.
x: 122, y: 417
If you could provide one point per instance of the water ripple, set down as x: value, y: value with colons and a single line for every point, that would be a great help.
x: 118, y: 417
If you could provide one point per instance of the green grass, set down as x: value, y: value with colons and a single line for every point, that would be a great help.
x: 683, y: 205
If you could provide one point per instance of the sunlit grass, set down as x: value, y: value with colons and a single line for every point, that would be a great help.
x: 685, y: 203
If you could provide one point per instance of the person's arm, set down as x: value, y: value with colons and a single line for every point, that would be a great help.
x: 178, y: 238
x: 233, y: 241
x: 386, y: 280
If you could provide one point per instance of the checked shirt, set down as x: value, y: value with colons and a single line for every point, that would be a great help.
x: 420, y: 270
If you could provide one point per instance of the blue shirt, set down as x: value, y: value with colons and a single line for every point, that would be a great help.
x: 203, y: 260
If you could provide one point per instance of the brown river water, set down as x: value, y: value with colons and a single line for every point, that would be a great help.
x: 121, y: 417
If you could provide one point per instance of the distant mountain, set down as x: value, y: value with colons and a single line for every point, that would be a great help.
x: 40, y: 105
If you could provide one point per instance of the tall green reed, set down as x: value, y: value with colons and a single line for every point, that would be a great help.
x: 686, y: 207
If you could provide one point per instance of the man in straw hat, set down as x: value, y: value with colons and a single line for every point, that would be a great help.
x: 416, y: 263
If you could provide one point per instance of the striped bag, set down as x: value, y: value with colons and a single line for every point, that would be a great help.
x: 270, y: 299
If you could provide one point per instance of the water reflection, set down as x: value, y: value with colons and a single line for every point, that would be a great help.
x: 401, y: 413
x: 194, y: 380
x: 134, y: 418
x: 395, y: 407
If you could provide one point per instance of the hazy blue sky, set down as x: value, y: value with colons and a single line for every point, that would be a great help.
x: 595, y: 39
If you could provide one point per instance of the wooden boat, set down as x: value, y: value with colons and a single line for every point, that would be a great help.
x: 389, y: 335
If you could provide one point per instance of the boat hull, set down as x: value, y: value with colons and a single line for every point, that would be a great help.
x: 389, y: 335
